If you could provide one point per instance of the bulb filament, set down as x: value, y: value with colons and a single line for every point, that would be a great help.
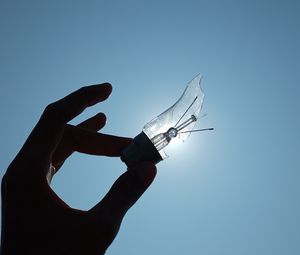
x: 163, y: 139
x: 187, y: 122
x: 186, y: 111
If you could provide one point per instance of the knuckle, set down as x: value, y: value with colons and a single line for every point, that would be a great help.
x: 9, y: 181
x: 53, y: 111
x: 83, y: 89
x: 51, y: 108
x: 4, y: 183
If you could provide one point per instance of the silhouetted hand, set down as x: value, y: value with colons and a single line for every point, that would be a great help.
x: 34, y: 219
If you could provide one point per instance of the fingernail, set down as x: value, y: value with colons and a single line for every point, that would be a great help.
x: 145, y: 172
x: 109, y: 86
x: 102, y: 116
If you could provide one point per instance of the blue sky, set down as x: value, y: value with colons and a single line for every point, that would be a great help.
x: 231, y: 191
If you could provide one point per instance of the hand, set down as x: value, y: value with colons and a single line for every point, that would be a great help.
x: 34, y: 219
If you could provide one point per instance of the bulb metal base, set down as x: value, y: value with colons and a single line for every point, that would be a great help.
x: 141, y: 149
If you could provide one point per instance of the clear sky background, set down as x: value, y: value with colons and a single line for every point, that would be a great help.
x: 231, y: 191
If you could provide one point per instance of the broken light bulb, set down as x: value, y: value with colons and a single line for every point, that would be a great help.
x: 177, y: 121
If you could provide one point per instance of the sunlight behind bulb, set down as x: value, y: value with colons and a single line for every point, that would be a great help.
x: 175, y: 123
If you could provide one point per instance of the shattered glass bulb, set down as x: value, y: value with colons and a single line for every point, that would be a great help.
x: 177, y: 121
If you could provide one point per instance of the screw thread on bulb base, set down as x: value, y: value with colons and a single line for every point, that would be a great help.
x: 141, y: 149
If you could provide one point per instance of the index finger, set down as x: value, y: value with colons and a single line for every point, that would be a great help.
x: 70, y: 106
x: 48, y: 130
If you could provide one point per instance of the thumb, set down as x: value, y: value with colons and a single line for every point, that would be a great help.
x: 128, y: 188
